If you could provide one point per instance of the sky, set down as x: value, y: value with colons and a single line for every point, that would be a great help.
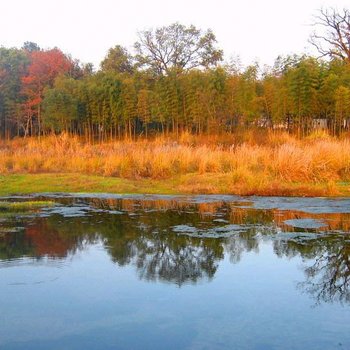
x: 251, y: 29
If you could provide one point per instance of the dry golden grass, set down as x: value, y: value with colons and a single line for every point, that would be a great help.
x: 244, y: 164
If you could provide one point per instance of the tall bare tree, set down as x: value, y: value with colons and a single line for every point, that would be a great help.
x: 333, y: 35
x: 176, y: 48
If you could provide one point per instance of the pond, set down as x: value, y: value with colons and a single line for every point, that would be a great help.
x: 175, y: 272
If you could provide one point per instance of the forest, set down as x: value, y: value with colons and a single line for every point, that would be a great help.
x: 176, y: 82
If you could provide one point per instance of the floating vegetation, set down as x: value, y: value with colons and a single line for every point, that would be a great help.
x: 24, y: 206
x: 215, y: 232
x: 306, y: 223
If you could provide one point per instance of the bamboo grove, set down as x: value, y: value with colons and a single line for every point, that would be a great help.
x: 46, y: 91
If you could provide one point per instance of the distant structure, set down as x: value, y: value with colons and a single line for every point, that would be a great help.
x: 320, y: 124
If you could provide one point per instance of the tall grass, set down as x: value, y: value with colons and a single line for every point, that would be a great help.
x: 247, y: 161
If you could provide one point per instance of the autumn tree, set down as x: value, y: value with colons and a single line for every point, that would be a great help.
x: 174, y: 85
x: 44, y: 67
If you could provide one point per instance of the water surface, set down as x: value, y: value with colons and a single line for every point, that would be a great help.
x: 175, y: 272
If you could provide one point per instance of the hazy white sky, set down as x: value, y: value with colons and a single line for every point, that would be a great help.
x: 253, y: 29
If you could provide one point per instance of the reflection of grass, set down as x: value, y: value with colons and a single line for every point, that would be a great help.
x: 188, y: 184
x: 23, y: 206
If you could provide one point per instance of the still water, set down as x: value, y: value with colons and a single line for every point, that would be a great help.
x: 165, y: 272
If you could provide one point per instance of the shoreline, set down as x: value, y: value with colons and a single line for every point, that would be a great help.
x: 189, y: 184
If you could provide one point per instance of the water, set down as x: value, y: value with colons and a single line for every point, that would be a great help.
x: 163, y: 272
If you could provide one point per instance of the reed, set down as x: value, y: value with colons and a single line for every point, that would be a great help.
x: 246, y: 164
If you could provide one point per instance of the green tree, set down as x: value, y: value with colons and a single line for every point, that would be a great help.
x: 61, y: 106
x: 13, y: 66
x: 342, y: 107
x: 118, y: 60
x: 30, y: 46
x: 145, y: 107
x: 303, y: 83
x: 129, y: 106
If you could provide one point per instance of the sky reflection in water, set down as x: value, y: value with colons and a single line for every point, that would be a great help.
x: 215, y: 272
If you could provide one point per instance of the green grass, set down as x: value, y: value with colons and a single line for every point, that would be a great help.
x: 37, y: 183
x: 183, y: 184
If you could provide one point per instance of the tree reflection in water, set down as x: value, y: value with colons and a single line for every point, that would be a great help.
x: 141, y: 233
x: 327, y: 278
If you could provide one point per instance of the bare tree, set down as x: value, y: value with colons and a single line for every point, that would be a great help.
x: 334, y: 39
x: 176, y: 47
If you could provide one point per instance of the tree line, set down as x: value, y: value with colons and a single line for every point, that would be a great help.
x: 175, y: 81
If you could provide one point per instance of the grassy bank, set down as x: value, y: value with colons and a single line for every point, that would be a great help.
x: 187, y: 184
x: 275, y: 164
